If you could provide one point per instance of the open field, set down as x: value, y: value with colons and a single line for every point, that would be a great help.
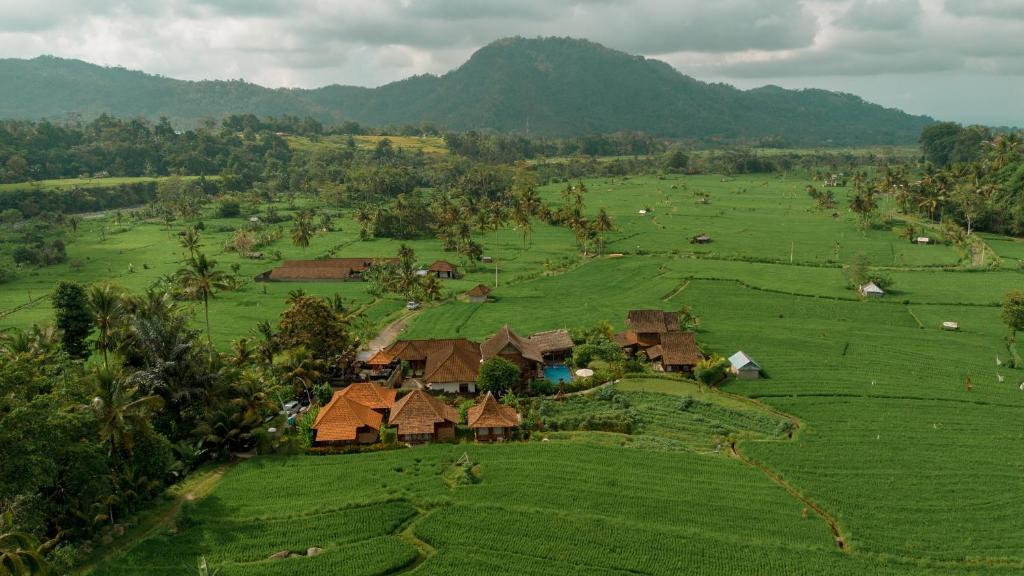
x: 83, y: 183
x: 921, y: 473
x: 431, y: 145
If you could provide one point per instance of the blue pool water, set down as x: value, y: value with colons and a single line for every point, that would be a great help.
x: 558, y: 373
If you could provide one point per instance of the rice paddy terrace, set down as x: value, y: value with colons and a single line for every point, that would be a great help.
x: 914, y: 470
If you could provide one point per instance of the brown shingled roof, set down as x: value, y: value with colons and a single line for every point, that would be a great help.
x: 451, y: 360
x: 478, y: 290
x: 552, y: 341
x: 370, y: 395
x: 676, y: 349
x: 646, y: 321
x: 495, y: 344
x: 442, y: 266
x: 418, y: 412
x: 341, y: 419
x: 324, y: 268
x: 488, y: 413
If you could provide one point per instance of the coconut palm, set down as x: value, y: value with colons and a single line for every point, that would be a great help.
x: 200, y: 280
x: 120, y: 409
x: 602, y: 224
x: 20, y: 552
x: 106, y: 303
x: 303, y: 231
x: 190, y: 241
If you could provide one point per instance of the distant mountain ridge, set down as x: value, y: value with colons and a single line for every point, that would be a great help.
x: 544, y: 86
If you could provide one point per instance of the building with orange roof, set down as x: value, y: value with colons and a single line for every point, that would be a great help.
x: 478, y: 294
x: 443, y: 269
x: 371, y: 395
x: 444, y: 365
x: 322, y: 269
x: 344, y: 421
x: 491, y: 420
x: 419, y: 417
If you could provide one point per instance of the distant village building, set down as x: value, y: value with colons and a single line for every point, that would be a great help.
x: 553, y: 345
x: 871, y: 290
x: 478, y: 294
x: 492, y: 421
x: 922, y: 240
x: 657, y: 333
x: 341, y: 269
x: 744, y: 367
x: 449, y: 365
x: 677, y: 352
x: 700, y: 239
x: 443, y: 269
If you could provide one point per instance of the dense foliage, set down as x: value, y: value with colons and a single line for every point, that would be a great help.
x: 550, y: 86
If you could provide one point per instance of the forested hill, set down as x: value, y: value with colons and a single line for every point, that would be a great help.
x: 551, y: 86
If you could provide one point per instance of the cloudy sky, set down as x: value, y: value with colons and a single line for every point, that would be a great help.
x: 953, y: 59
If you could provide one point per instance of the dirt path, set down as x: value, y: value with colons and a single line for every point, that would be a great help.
x: 407, y: 533
x: 196, y: 488
x: 391, y: 332
x: 833, y: 525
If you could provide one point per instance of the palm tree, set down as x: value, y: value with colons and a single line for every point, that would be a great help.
x: 190, y: 241
x: 20, y: 552
x: 303, y: 229
x: 602, y: 223
x: 107, y: 306
x: 200, y: 280
x: 120, y: 409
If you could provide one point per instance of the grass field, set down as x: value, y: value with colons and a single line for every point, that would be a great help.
x: 921, y: 474
x: 431, y: 145
x: 84, y: 183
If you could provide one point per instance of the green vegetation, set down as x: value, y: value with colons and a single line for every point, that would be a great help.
x: 560, y: 84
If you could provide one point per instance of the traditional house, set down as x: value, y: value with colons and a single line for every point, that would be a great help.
x: 553, y: 345
x: 344, y: 421
x: 871, y: 290
x: 443, y: 269
x: 478, y: 294
x: 491, y: 420
x: 648, y: 326
x: 324, y: 269
x: 517, y: 350
x: 744, y: 367
x: 420, y: 417
x: 450, y: 365
x: 370, y: 395
x: 677, y: 352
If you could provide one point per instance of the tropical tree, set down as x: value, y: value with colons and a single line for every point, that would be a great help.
x: 303, y: 230
x: 71, y: 308
x: 1012, y: 312
x: 107, y: 307
x: 863, y: 204
x: 20, y: 552
x: 497, y: 375
x: 602, y: 224
x: 200, y: 280
x: 120, y: 410
x: 190, y: 241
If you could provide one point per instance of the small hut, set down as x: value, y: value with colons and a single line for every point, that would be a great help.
x: 700, y: 239
x: 478, y: 294
x: 871, y: 290
x: 491, y: 421
x: 744, y: 367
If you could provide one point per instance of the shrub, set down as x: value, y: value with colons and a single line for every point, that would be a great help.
x: 497, y: 375
x: 229, y: 209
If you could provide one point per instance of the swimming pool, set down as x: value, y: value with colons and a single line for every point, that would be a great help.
x: 557, y: 373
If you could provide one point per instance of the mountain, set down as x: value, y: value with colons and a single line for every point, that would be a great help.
x: 544, y: 86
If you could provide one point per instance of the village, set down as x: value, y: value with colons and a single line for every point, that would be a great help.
x: 409, y: 386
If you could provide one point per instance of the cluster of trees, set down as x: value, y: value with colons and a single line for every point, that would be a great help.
x: 508, y: 148
x: 109, y: 146
x: 120, y: 396
x: 401, y: 277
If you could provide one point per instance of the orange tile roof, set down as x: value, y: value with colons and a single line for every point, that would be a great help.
x: 418, y: 412
x: 450, y: 360
x: 490, y: 414
x: 324, y: 268
x: 370, y: 395
x: 341, y: 419
x: 478, y: 290
x: 505, y: 337
x: 647, y: 321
